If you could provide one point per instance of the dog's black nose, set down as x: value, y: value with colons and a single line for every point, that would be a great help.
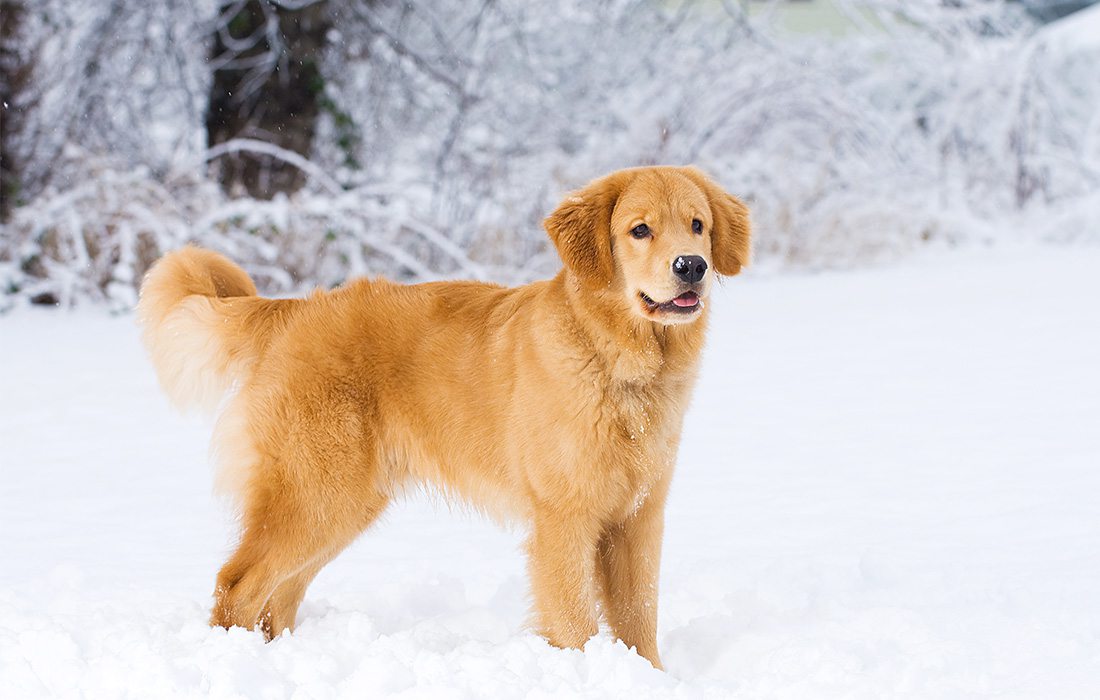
x: 689, y: 268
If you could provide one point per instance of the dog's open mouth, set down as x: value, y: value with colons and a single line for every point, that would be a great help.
x: 686, y: 303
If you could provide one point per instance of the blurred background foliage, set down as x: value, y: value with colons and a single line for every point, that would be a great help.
x: 314, y: 140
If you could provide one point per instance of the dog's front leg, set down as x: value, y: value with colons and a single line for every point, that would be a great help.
x: 561, y: 559
x: 629, y: 560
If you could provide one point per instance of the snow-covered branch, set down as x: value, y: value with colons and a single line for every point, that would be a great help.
x: 283, y: 154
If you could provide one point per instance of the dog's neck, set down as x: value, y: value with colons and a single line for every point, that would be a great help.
x: 634, y: 350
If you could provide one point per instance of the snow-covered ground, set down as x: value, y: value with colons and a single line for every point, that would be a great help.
x: 889, y: 486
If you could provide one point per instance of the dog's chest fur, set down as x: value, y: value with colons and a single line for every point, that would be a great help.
x: 627, y: 429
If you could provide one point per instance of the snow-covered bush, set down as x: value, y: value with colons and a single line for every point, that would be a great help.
x: 449, y: 130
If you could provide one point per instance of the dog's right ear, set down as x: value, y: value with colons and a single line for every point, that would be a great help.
x: 581, y: 230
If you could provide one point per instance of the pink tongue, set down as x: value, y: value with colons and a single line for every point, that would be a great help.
x: 686, y: 299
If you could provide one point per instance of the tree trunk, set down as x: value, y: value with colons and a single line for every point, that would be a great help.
x: 15, y: 72
x: 266, y: 86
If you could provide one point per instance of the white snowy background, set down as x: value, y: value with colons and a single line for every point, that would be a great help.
x: 889, y: 484
x: 887, y: 488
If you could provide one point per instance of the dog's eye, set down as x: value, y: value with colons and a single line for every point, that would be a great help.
x: 640, y: 231
x: 696, y: 226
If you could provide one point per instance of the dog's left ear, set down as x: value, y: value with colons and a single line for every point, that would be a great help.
x: 581, y: 230
x: 731, y: 239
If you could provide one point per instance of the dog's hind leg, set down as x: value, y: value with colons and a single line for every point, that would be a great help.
x: 281, y: 609
x: 292, y: 527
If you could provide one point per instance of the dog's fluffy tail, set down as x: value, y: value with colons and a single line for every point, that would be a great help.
x: 203, y: 325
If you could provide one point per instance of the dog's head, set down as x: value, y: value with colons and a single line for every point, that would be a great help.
x: 656, y: 235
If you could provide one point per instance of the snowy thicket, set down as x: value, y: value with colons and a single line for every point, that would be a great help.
x: 448, y: 132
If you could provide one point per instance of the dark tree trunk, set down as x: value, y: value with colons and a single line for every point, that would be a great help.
x: 266, y: 86
x: 15, y: 72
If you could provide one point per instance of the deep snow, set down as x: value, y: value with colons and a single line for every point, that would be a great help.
x: 887, y: 488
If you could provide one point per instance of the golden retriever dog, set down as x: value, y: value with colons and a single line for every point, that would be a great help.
x: 557, y: 404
